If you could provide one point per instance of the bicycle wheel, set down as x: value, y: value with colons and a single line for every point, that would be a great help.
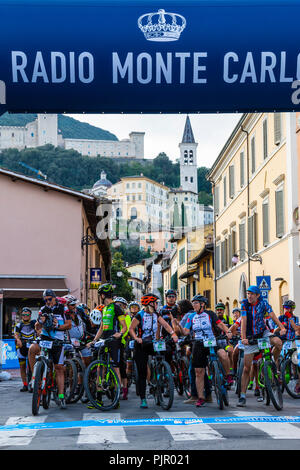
x: 175, y: 372
x: 70, y: 379
x: 165, y: 386
x: 79, y: 389
x: 135, y: 378
x: 272, y: 384
x: 217, y: 383
x: 261, y: 382
x: 37, y: 387
x: 239, y: 374
x: 102, y: 385
x: 184, y: 376
x: 290, y: 374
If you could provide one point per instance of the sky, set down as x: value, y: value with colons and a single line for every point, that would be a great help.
x: 163, y: 132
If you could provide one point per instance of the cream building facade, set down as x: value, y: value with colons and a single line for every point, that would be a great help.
x: 255, y: 194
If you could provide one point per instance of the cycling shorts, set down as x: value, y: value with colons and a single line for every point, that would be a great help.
x: 22, y: 352
x: 56, y: 353
x: 115, y: 352
x: 199, y: 355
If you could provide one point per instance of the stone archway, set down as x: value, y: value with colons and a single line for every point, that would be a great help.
x: 243, y: 287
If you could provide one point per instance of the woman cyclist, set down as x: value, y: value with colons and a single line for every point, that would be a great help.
x: 146, y: 321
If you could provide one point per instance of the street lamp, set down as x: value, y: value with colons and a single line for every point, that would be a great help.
x: 235, y: 258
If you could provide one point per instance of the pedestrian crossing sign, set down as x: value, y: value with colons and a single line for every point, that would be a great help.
x: 263, y: 282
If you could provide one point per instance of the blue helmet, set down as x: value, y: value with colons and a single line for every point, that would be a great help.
x: 254, y: 289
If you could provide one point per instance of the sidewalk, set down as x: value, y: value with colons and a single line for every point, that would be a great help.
x: 15, y: 373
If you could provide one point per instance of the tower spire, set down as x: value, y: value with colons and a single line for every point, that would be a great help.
x: 188, y: 136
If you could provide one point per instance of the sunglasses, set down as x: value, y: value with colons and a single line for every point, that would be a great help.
x: 26, y: 314
x: 48, y: 299
x: 172, y: 296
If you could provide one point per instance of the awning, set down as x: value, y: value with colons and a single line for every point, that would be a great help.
x: 31, y: 287
x: 188, y: 274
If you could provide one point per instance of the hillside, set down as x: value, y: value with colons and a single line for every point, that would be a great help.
x: 69, y: 127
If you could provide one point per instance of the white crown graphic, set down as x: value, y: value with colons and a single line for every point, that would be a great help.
x: 162, y: 30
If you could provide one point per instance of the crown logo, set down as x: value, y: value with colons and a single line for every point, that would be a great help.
x: 167, y: 26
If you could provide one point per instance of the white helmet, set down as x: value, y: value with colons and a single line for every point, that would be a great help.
x: 71, y: 300
x: 121, y: 300
x: 96, y: 316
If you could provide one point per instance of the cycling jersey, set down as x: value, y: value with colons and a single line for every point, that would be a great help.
x: 255, y: 315
x: 125, y: 335
x: 148, y: 324
x: 111, y: 315
x: 203, y: 325
x: 290, y: 332
x: 61, y: 313
x: 26, y: 330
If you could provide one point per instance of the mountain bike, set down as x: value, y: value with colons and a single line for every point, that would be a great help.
x: 267, y: 373
x: 180, y: 369
x: 132, y: 375
x: 290, y: 367
x: 73, y: 354
x: 161, y: 378
x: 239, y: 369
x: 101, y: 382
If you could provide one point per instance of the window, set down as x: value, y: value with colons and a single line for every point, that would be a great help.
x: 242, y: 169
x: 224, y: 190
x: 242, y: 240
x: 192, y: 179
x: 265, y: 215
x: 231, y: 181
x: 217, y: 260
x: 182, y: 256
x: 133, y: 213
x: 186, y: 178
x: 253, y: 155
x: 277, y: 128
x: 216, y: 199
x: 252, y: 234
x: 279, y: 202
x: 265, y: 138
x: 231, y: 246
x: 207, y: 294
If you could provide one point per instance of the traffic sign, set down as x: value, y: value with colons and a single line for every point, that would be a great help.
x: 263, y: 282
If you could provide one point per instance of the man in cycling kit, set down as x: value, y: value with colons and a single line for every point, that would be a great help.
x: 220, y: 311
x: 124, y: 342
x: 143, y: 330
x: 112, y: 318
x: 24, y: 332
x: 60, y: 321
x: 254, y: 310
x: 169, y: 313
x: 134, y: 308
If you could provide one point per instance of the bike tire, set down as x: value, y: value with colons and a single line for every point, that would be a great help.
x: 184, y: 376
x: 70, y: 379
x: 272, y: 384
x: 135, y: 378
x: 80, y: 370
x: 46, y: 395
x: 239, y: 375
x: 175, y: 372
x: 165, y: 386
x: 91, y: 389
x: 217, y: 384
x: 37, y: 387
x: 286, y: 375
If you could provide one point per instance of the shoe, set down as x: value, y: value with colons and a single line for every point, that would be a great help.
x: 209, y: 399
x: 143, y: 404
x: 191, y: 400
x: 125, y: 394
x: 200, y: 403
x: 62, y: 404
x: 229, y: 380
x: 242, y: 402
x: 250, y: 386
x: 24, y: 388
x: 257, y: 392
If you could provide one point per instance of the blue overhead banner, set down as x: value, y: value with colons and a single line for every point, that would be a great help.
x: 149, y: 56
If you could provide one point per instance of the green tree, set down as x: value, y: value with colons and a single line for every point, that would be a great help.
x: 131, y: 254
x: 120, y: 276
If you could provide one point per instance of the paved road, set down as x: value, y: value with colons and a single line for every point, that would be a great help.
x: 130, y: 428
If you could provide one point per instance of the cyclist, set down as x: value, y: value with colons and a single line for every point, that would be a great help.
x: 24, y: 332
x: 78, y: 328
x: 146, y: 322
x: 134, y: 308
x: 169, y: 312
x: 124, y: 389
x: 220, y: 311
x: 61, y: 321
x: 254, y: 310
x: 112, y: 317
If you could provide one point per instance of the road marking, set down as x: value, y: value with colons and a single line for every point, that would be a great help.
x: 20, y: 437
x: 276, y: 430
x: 104, y: 434
x: 196, y: 432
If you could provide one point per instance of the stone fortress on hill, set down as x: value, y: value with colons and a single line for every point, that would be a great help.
x: 44, y: 130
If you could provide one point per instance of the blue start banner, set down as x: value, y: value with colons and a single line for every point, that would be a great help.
x: 150, y: 56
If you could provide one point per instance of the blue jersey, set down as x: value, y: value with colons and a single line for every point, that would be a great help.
x: 255, y: 316
x: 203, y: 325
x: 290, y: 332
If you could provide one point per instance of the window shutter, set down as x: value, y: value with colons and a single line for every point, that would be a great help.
x: 279, y: 213
x: 253, y: 154
x: 223, y: 256
x: 225, y: 193
x: 265, y: 138
x: 265, y: 211
x: 216, y: 200
x: 231, y: 181
x: 230, y: 249
x: 277, y: 128
x: 226, y: 254
x: 250, y: 235
x: 242, y: 241
x: 204, y: 269
x: 242, y: 169
x: 217, y: 260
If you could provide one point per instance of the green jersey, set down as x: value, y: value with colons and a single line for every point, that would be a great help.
x: 111, y: 315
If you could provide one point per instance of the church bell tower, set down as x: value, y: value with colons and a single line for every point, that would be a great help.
x: 188, y: 159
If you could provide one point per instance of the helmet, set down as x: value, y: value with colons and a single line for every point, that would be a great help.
x: 84, y: 306
x: 254, y: 289
x: 236, y: 309
x: 198, y: 298
x: 96, y: 316
x: 26, y: 309
x: 121, y: 300
x: 49, y: 292
x: 100, y: 308
x: 171, y: 292
x: 289, y: 304
x: 61, y: 300
x: 220, y: 305
x: 71, y: 300
x: 106, y: 289
x: 134, y: 303
x: 148, y: 298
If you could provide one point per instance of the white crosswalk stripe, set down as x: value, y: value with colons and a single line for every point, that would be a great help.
x: 22, y: 437
x: 194, y: 432
x: 274, y: 430
x: 103, y: 434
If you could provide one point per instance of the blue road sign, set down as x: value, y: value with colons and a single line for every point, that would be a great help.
x: 263, y: 282
x: 149, y: 56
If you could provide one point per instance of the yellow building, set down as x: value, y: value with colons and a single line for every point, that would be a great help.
x: 255, y: 194
x: 202, y: 274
